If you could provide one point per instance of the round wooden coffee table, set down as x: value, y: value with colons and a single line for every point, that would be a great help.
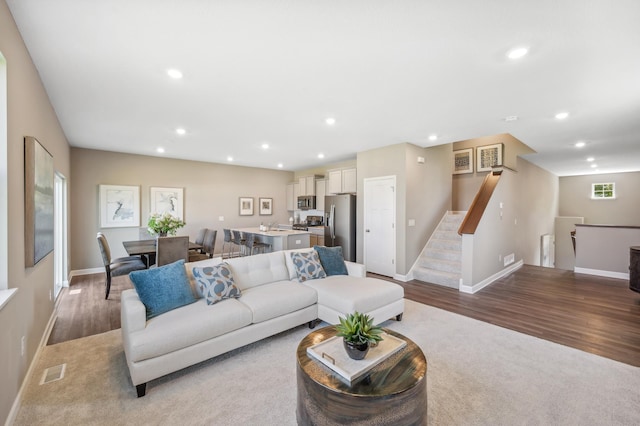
x: 394, y: 392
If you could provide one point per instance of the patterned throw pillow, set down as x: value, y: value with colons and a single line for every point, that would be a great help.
x: 308, y: 266
x: 215, y: 283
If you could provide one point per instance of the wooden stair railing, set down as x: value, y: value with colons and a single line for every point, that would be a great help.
x: 479, y: 204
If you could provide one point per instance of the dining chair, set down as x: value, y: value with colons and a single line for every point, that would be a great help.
x: 171, y: 249
x: 208, y: 246
x: 118, y: 266
x: 200, y: 238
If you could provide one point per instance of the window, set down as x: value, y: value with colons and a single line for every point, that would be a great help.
x: 603, y: 191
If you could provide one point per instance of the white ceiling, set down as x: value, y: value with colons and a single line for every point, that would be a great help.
x: 388, y: 71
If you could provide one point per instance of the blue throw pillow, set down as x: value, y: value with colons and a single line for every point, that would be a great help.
x: 163, y: 289
x: 332, y: 260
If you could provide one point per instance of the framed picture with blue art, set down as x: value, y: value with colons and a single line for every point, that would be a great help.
x: 38, y: 200
x: 119, y: 206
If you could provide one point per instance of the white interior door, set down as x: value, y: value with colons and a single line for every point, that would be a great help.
x: 380, y: 225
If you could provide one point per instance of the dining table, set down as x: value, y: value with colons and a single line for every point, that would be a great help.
x: 146, y: 249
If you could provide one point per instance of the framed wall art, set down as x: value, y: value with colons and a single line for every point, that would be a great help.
x: 266, y: 206
x: 463, y: 161
x: 119, y: 206
x: 246, y: 206
x: 38, y: 200
x: 167, y: 200
x: 488, y: 156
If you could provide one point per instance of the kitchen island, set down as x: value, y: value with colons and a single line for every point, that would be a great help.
x: 280, y: 239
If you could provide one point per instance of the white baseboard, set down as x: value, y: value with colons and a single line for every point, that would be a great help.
x: 482, y: 284
x: 404, y: 278
x: 89, y: 271
x: 13, y: 413
x: 608, y: 274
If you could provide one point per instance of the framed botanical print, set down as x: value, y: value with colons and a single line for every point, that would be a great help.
x: 266, y: 206
x: 488, y: 156
x: 246, y: 206
x: 119, y: 206
x: 463, y: 161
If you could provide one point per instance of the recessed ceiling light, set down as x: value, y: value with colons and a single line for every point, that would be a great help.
x: 433, y: 137
x: 229, y: 158
x: 265, y: 146
x: 181, y: 131
x: 280, y: 165
x: 511, y: 118
x: 590, y: 159
x: 562, y: 115
x: 321, y: 155
x: 517, y: 52
x: 330, y: 121
x: 174, y: 73
x: 580, y: 144
x: 160, y: 150
x: 594, y: 166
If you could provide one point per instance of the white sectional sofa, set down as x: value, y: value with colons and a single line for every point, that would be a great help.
x: 271, y: 301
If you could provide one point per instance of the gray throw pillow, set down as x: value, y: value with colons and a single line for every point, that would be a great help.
x: 215, y: 283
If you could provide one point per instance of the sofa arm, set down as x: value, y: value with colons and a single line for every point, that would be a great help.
x: 356, y: 269
x: 133, y: 314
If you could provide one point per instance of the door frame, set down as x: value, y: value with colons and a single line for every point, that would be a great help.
x: 366, y: 182
x: 60, y: 236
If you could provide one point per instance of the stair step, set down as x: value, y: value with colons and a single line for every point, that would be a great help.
x: 445, y: 244
x: 446, y: 279
x: 441, y: 265
x: 441, y: 234
x: 435, y: 253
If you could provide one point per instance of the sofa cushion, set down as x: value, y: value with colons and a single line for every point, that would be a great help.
x: 277, y: 299
x: 215, y: 283
x: 187, y: 326
x: 252, y: 271
x: 293, y: 275
x: 332, y: 260
x: 308, y: 266
x: 348, y: 294
x: 163, y: 289
x: 188, y: 267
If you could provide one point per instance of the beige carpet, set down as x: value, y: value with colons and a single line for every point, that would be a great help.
x: 478, y: 374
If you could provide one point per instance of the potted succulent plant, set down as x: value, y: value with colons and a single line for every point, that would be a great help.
x: 358, y: 333
x: 164, y: 224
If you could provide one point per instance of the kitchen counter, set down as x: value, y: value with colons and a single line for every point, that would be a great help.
x: 280, y: 239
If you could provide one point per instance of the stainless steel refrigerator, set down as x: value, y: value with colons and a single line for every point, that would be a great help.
x: 340, y: 224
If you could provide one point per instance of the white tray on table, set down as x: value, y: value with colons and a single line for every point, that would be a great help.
x: 331, y: 353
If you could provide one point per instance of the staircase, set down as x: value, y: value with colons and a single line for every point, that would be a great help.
x: 439, y: 262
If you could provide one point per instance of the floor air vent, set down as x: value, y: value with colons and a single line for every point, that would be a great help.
x: 52, y: 374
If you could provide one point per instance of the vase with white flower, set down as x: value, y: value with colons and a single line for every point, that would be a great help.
x: 164, y: 224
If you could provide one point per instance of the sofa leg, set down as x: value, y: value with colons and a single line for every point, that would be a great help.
x: 313, y: 323
x: 141, y: 389
x: 399, y: 317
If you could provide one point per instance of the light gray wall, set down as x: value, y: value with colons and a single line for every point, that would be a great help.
x: 605, y: 249
x: 537, y: 206
x: 29, y: 113
x: 575, y: 199
x: 210, y: 191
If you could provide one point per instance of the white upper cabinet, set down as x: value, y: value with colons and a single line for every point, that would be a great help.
x: 320, y: 193
x: 342, y: 181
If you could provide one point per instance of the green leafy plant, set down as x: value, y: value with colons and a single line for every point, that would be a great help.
x: 358, y: 328
x: 164, y: 224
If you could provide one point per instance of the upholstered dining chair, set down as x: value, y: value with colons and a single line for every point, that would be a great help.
x: 208, y: 246
x: 171, y: 249
x: 200, y: 238
x: 118, y: 266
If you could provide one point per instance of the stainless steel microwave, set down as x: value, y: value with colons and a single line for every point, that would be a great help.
x: 307, y: 202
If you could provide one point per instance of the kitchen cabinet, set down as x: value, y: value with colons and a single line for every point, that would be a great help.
x: 320, y: 193
x: 313, y: 240
x: 307, y: 185
x: 342, y: 181
x: 291, y: 200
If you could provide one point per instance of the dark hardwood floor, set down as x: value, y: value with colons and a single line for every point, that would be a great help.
x: 593, y: 314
